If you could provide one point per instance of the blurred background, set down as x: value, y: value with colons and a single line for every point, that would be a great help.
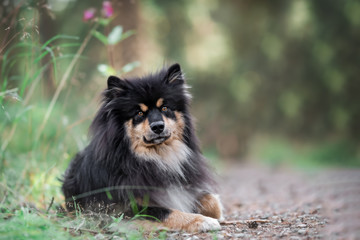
x: 274, y: 82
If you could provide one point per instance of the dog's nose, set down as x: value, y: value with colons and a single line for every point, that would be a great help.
x: 157, y: 127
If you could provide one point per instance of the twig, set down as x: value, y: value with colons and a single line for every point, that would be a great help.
x: 234, y: 222
x: 78, y: 122
x: 51, y: 203
x: 5, y: 196
x: 14, y: 90
x: 8, y: 139
x: 82, y: 229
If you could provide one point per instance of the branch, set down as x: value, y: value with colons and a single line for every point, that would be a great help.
x: 234, y: 222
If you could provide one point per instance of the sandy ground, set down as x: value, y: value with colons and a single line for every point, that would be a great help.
x: 265, y: 203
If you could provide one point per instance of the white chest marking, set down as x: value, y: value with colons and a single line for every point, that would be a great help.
x: 179, y: 198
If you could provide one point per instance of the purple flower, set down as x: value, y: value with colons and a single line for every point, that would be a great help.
x: 89, y: 14
x: 108, y: 10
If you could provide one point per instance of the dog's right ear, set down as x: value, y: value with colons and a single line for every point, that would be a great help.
x: 115, y: 82
x: 116, y: 86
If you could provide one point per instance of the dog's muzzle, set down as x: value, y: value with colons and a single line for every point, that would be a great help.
x: 157, y: 135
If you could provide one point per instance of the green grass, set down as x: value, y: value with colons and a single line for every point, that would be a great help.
x: 30, y: 223
x: 25, y: 223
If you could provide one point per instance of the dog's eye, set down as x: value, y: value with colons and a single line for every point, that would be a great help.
x: 164, y: 109
x: 140, y: 114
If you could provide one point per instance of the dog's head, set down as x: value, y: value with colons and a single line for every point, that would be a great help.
x: 152, y: 109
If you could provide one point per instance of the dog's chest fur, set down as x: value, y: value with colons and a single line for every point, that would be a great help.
x: 177, y: 197
x: 170, y: 160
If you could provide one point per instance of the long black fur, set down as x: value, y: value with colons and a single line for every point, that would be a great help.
x: 107, y: 175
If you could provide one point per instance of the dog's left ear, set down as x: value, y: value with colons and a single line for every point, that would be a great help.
x: 116, y: 86
x: 174, y: 75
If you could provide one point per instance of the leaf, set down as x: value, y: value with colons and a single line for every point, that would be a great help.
x: 130, y: 66
x: 101, y: 37
x: 106, y: 70
x: 58, y: 37
x: 117, y: 220
x: 128, y: 34
x: 115, y: 35
x: 145, y: 216
x: 108, y: 194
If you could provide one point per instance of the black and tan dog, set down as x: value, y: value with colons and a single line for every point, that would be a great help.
x: 144, y: 151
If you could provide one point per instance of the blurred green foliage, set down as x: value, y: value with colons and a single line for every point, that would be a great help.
x: 278, y: 151
x: 289, y: 68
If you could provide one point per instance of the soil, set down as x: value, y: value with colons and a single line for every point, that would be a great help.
x: 265, y: 203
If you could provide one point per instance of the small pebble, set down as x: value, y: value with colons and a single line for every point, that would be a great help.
x: 302, y: 231
x: 302, y: 225
x: 253, y: 224
x: 314, y: 211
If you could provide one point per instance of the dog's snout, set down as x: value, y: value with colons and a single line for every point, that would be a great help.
x: 157, y: 127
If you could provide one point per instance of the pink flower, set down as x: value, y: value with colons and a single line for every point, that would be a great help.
x: 89, y: 14
x: 107, y: 9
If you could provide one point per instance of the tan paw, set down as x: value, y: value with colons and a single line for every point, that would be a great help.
x: 209, y: 224
x: 191, y: 222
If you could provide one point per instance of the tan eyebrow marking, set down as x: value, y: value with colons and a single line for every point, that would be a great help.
x: 143, y: 107
x: 159, y: 102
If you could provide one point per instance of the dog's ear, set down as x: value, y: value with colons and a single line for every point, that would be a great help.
x: 116, y: 86
x: 115, y: 82
x: 174, y: 75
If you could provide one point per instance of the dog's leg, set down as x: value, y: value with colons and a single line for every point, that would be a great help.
x: 176, y: 220
x: 211, y: 206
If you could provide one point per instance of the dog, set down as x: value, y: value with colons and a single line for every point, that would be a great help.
x: 144, y: 157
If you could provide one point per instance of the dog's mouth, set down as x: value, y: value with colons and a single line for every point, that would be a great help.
x: 156, y: 140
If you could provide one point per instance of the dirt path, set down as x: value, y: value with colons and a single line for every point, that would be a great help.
x: 287, y: 204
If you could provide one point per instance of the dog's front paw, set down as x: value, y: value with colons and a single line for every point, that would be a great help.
x: 208, y: 224
x: 191, y: 222
x: 201, y: 223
